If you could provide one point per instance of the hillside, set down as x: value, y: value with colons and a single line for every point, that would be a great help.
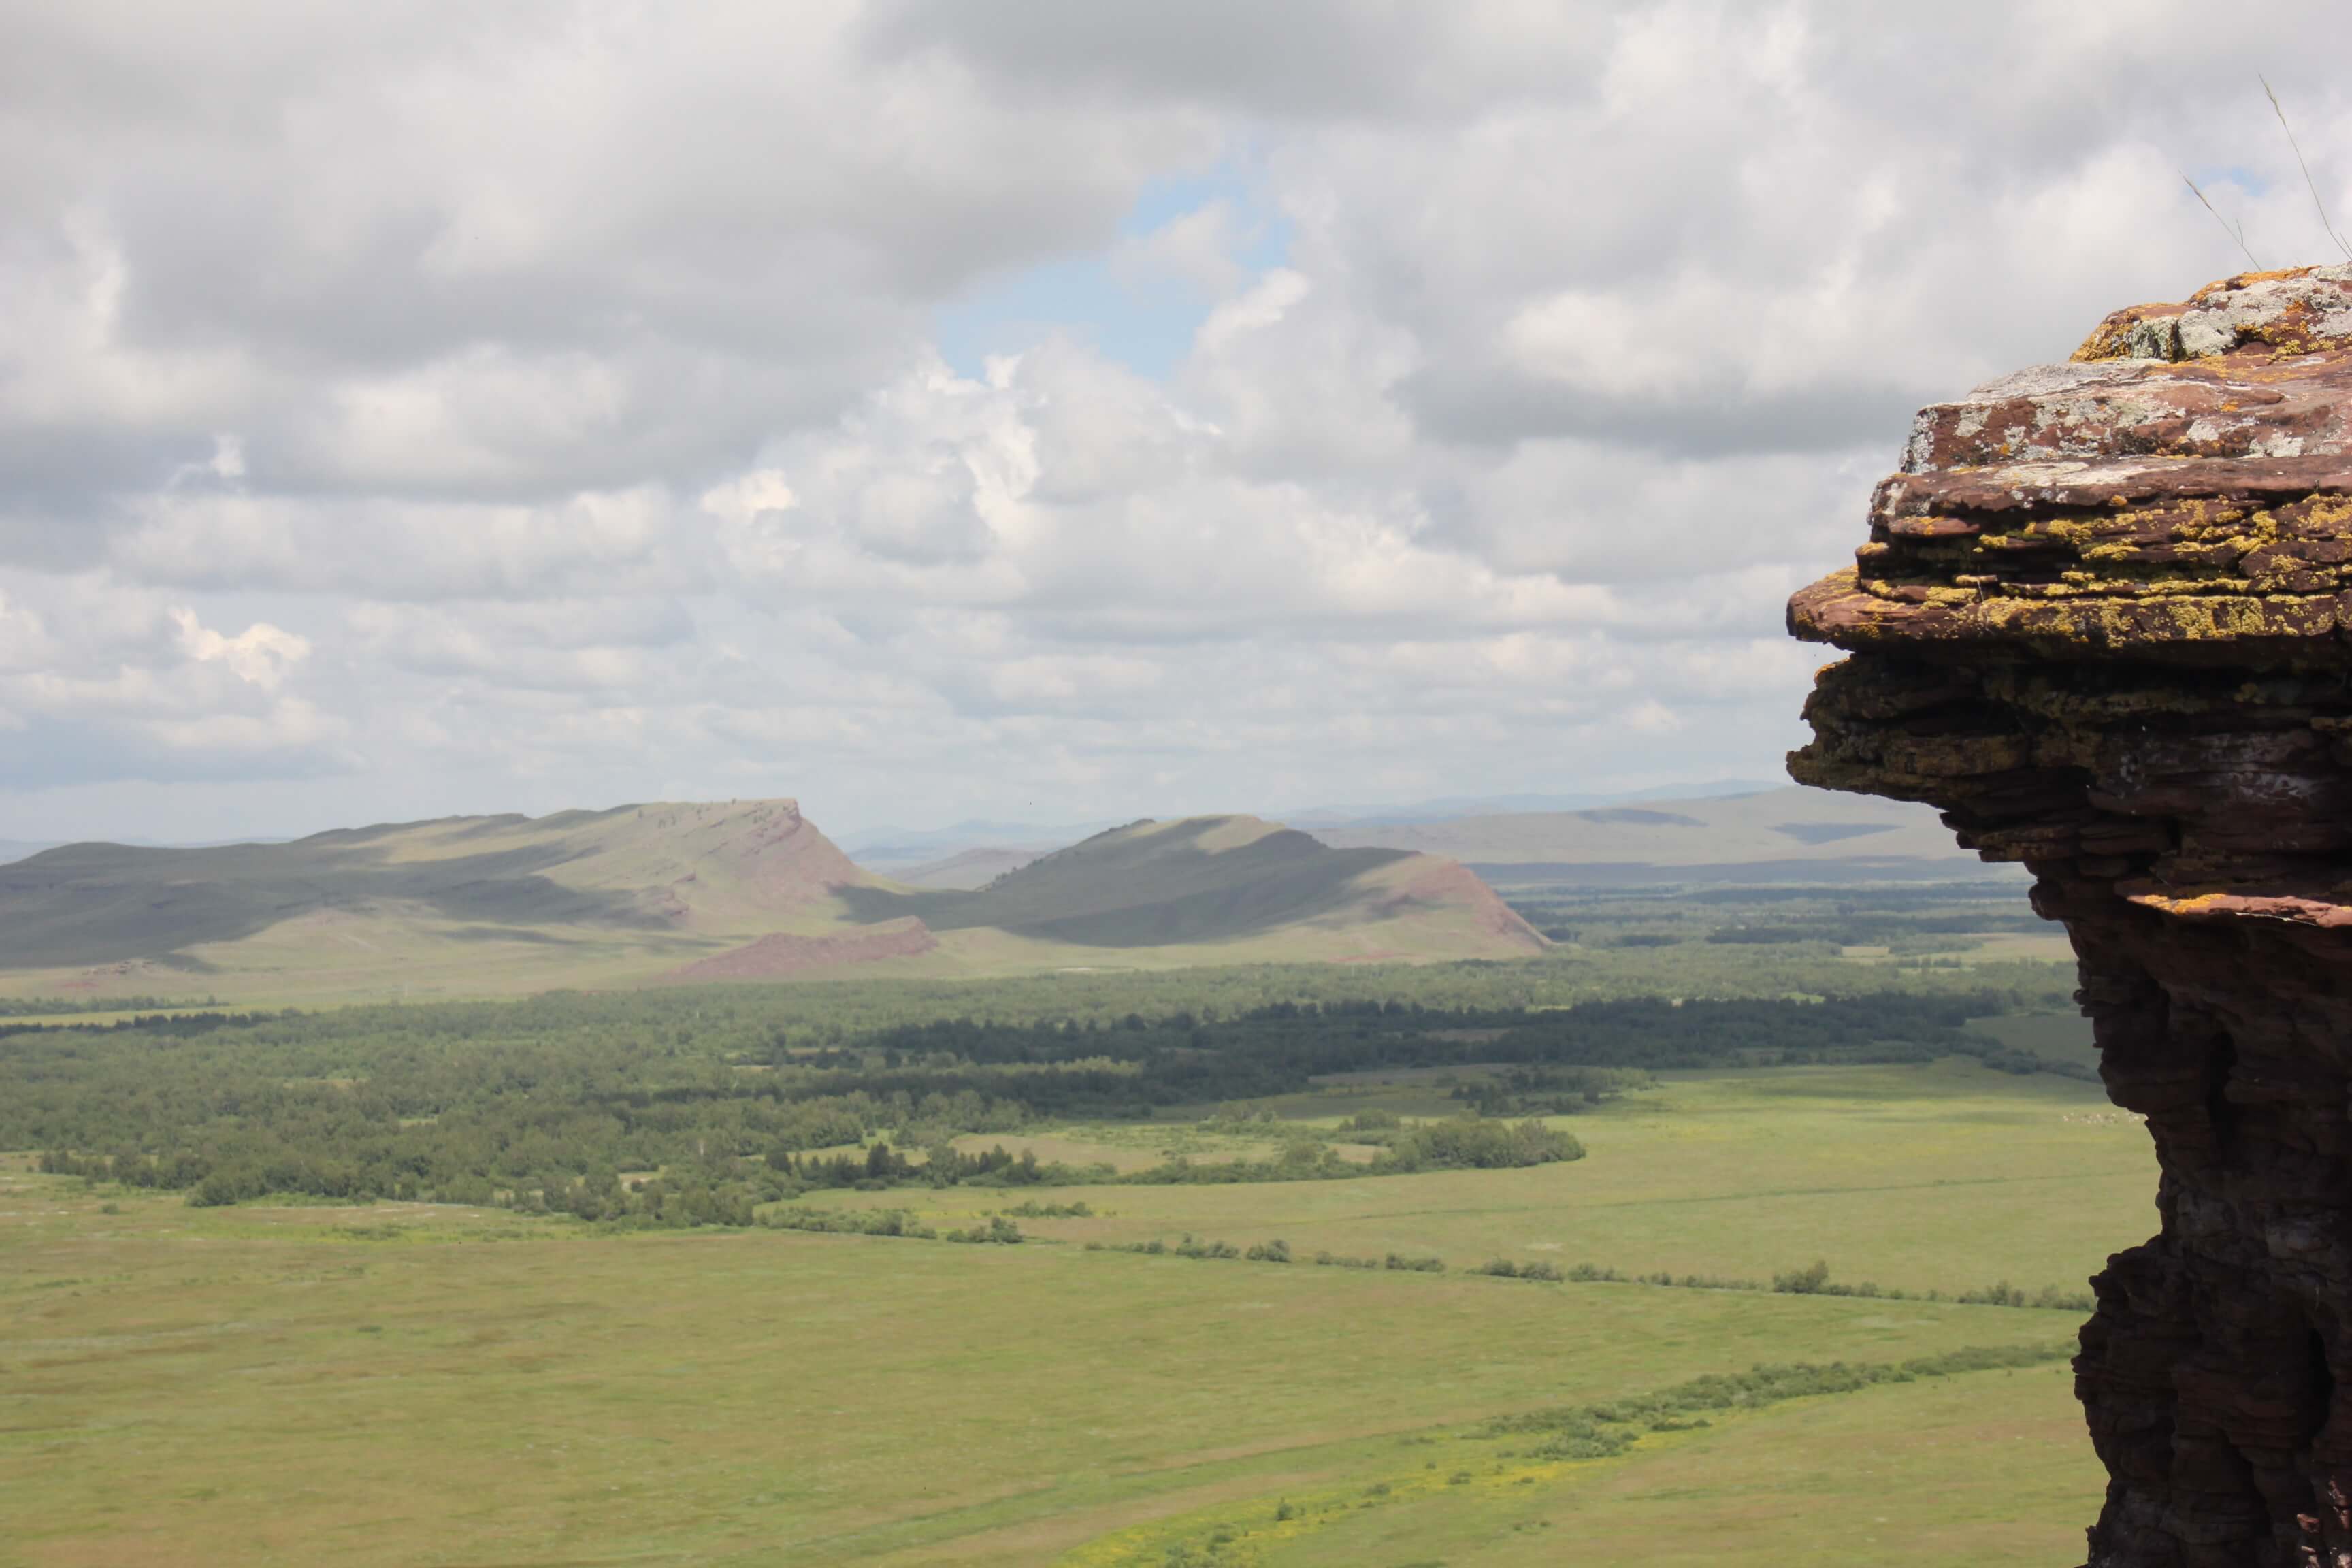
x: 658, y: 893
x: 1789, y: 834
x: 1208, y: 880
x: 963, y: 870
x: 462, y: 903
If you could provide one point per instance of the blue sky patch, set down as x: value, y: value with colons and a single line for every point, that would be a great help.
x: 1144, y: 321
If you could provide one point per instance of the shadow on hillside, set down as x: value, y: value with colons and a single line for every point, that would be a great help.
x: 1128, y: 887
x: 103, y: 903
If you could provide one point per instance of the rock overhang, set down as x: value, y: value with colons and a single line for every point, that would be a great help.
x: 2179, y: 492
x: 2104, y: 621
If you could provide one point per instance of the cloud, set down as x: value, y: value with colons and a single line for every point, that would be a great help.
x: 506, y: 406
x: 1089, y: 506
x: 104, y: 680
x: 1308, y: 60
x: 611, y: 646
x: 388, y: 547
x: 261, y: 654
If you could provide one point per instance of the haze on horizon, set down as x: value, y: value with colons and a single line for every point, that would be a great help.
x: 1053, y: 411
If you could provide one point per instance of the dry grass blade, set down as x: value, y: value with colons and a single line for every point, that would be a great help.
x: 2236, y: 231
x: 2313, y: 185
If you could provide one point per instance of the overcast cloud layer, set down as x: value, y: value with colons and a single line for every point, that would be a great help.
x: 416, y: 409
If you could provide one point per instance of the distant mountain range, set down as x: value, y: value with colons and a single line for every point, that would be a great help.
x: 964, y: 870
x: 1448, y: 807
x: 969, y: 854
x: 1733, y: 832
x: 877, y: 845
x: 1220, y: 880
x: 921, y: 854
x: 1788, y: 834
x: 658, y: 893
x: 648, y: 894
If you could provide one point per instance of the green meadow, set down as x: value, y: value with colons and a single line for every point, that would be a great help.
x: 1944, y: 1177
x: 399, y: 1383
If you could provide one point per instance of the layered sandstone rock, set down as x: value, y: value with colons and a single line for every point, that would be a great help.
x: 2103, y: 620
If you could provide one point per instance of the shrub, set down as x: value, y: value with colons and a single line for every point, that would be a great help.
x: 1807, y: 1281
x: 1465, y: 1143
x: 866, y: 1222
x: 1599, y: 1431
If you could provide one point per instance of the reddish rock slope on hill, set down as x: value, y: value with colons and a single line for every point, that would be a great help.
x: 2103, y: 620
x: 781, y: 954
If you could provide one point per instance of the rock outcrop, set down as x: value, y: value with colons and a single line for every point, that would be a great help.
x: 2104, y: 621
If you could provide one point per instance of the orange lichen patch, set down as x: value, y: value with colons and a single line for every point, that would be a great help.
x: 2240, y: 280
x: 2223, y: 904
x: 2115, y: 338
x: 2293, y: 311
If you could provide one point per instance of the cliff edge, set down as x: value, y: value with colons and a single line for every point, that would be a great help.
x: 2104, y: 622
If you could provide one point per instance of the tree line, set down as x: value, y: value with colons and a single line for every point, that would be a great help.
x: 606, y: 1109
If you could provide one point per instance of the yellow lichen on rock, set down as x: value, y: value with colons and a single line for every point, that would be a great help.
x: 2184, y: 482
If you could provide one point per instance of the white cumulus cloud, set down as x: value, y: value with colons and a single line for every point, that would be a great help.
x: 509, y: 406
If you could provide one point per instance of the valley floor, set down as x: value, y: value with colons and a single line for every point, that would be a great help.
x: 406, y: 1383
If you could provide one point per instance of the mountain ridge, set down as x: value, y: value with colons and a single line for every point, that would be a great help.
x: 662, y: 892
x: 1224, y: 874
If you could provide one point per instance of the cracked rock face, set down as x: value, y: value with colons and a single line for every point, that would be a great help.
x: 2104, y: 621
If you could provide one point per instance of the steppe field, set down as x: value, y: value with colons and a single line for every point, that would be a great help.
x: 403, y: 1383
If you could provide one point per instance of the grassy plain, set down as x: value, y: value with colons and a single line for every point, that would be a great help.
x: 1988, y: 1468
x: 412, y: 1385
x: 1943, y: 1178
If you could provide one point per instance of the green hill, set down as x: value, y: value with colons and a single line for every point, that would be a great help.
x: 658, y: 893
x: 1202, y: 879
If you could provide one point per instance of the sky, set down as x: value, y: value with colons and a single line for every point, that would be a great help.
x: 1046, y: 411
